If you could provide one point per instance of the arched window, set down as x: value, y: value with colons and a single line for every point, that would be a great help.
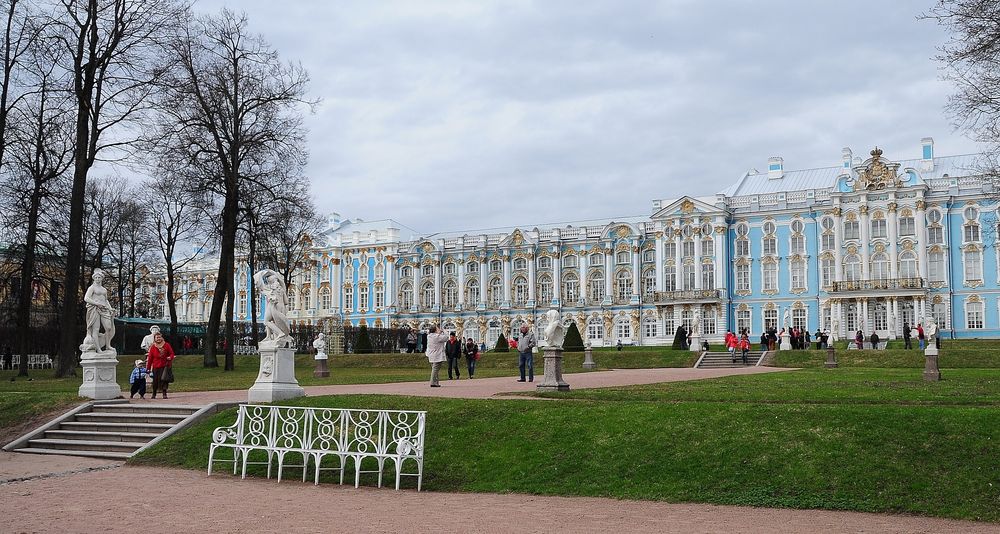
x: 306, y: 299
x: 493, y: 331
x: 743, y: 277
x: 363, y: 272
x: 623, y: 285
x: 688, y: 275
x: 595, y: 329
x: 379, y: 272
x: 649, y: 282
x: 935, y: 266
x: 520, y: 288
x: 405, y: 295
x: 427, y: 294
x: 472, y: 267
x: 349, y: 272
x: 623, y: 258
x: 363, y: 296
x: 292, y: 301
x: 708, y: 276
x: 570, y: 289
x: 349, y: 299
x: 971, y: 233
x: 623, y: 329
x: 596, y: 286
x: 243, y: 304
x: 798, y: 272
x: 495, y: 292
x: 880, y: 266
x: 908, y: 265
x: 472, y: 292
x: 449, y: 295
x: 827, y: 271
x: 324, y: 298
x: 852, y: 268
x: 544, y: 289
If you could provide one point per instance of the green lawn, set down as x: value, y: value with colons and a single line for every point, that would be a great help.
x: 956, y: 355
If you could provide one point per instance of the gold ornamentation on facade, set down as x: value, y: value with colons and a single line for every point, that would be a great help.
x: 677, y: 232
x: 878, y: 176
x: 921, y: 205
x: 892, y: 207
x: 720, y: 230
x: 335, y: 261
x: 623, y: 231
x: 658, y: 235
x: 427, y: 248
x: 517, y: 239
x: 973, y: 283
x: 687, y: 206
x: 863, y: 209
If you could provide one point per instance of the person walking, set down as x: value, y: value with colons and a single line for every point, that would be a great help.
x: 453, y: 350
x: 920, y: 335
x: 526, y: 359
x: 411, y: 342
x: 874, y: 340
x: 471, y: 356
x: 731, y: 344
x: 859, y: 339
x: 745, y: 347
x: 907, y: 343
x: 160, y: 361
x: 435, y: 353
x: 765, y: 341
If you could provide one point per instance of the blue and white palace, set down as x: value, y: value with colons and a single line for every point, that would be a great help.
x: 868, y: 244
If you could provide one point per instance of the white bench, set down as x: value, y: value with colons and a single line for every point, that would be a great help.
x: 867, y: 345
x: 315, y: 433
x: 35, y: 361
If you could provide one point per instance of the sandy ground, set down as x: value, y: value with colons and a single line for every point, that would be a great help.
x: 480, y: 388
x: 135, y: 499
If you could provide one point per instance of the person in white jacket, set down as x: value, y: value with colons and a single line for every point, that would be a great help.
x: 435, y: 352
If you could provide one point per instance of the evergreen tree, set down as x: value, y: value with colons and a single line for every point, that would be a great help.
x: 364, y: 343
x: 502, y: 345
x: 680, y: 338
x: 573, y: 341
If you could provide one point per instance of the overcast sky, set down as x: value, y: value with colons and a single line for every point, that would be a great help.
x: 466, y: 115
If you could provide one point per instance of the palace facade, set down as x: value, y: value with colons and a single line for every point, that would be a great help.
x: 868, y: 244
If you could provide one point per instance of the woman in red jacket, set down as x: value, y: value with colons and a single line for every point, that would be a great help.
x: 159, y: 359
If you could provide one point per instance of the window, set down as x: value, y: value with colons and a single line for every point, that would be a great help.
x: 934, y: 216
x: 596, y: 284
x: 349, y: 299
x: 670, y: 280
x: 880, y: 266
x: 624, y: 330
x: 708, y: 276
x: 707, y: 246
x: 940, y: 313
x: 708, y: 321
x: 495, y: 293
x: 623, y: 258
x: 770, y: 319
x: 449, y: 268
x: 623, y: 285
x: 668, y: 321
x: 493, y: 331
x: 770, y: 246
x: 363, y: 272
x: 852, y: 268
x: 450, y: 294
x: 935, y: 266
x: 570, y: 289
x: 769, y: 228
x: 306, y: 299
x: 907, y: 265
x: 243, y: 304
x: 363, y: 297
x: 379, y: 296
x: 879, y: 228
x: 348, y: 273
x: 797, y: 226
x: 742, y: 321
x: 687, y: 319
x: 799, y: 318
x: 935, y: 235
x: 798, y: 244
x: 907, y: 226
x: 829, y: 241
x: 324, y: 299
x: 544, y: 290
x: 827, y: 271
x: 852, y: 230
x: 428, y: 270
x: 569, y: 262
x: 688, y: 274
x: 406, y: 272
x: 974, y: 315
x: 798, y: 268
x: 520, y: 291
x: 742, y: 247
x: 770, y: 276
x: 972, y: 233
x: 648, y: 256
x: 427, y: 294
x: 973, y: 265
x: 971, y: 213
x: 649, y: 327
x: 827, y: 223
x: 743, y: 277
x: 742, y: 229
x: 472, y: 292
x: 472, y: 267
x: 649, y: 282
x: 496, y: 266
x: 596, y: 259
x: 405, y: 296
x: 520, y: 264
x: 706, y: 229
x: 670, y: 250
x: 687, y: 249
x: 545, y: 262
x: 595, y: 329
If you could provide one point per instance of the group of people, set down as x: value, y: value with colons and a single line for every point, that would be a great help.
x: 859, y: 338
x: 442, y: 347
x: 158, y: 364
x: 739, y: 344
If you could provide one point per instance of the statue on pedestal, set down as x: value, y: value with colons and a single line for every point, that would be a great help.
x: 930, y: 332
x: 787, y: 320
x: 320, y: 345
x: 272, y: 285
x: 100, y: 315
x: 555, y: 332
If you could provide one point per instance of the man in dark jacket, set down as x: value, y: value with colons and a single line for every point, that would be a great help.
x: 453, y: 350
x: 907, y: 344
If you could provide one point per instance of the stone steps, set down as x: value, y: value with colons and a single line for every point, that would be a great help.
x: 723, y: 360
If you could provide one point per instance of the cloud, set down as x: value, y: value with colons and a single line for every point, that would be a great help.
x: 464, y: 115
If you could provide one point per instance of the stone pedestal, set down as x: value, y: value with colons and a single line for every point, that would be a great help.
x: 786, y: 341
x: 695, y: 343
x: 931, y: 371
x: 553, y: 381
x: 100, y: 375
x: 588, y: 359
x: 276, y: 379
x: 831, y: 358
x: 322, y: 369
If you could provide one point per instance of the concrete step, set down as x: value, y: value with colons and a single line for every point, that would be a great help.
x: 84, y: 445
x: 100, y: 426
x: 92, y: 417
x: 131, y: 437
x: 89, y: 454
x: 165, y: 409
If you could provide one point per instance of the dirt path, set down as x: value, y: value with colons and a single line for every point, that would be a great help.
x: 481, y: 388
x: 126, y: 499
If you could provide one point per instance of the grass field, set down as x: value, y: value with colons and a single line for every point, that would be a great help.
x: 848, y: 439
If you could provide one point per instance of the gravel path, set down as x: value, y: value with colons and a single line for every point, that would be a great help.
x: 481, y: 388
x: 129, y: 499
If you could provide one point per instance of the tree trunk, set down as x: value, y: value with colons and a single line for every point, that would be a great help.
x: 171, y: 303
x: 224, y: 279
x: 230, y: 333
x: 68, y: 334
x: 27, y: 280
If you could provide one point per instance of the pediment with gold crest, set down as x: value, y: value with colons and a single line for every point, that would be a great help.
x: 877, y: 173
x: 685, y: 207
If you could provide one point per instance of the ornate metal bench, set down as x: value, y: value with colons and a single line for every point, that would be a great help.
x: 315, y: 433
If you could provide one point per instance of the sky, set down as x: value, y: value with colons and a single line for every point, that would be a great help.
x: 465, y: 115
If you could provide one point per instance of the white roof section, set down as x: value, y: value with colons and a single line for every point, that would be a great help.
x: 358, y: 232
x: 505, y: 230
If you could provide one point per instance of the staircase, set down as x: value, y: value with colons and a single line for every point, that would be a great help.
x: 112, y: 430
x: 723, y: 360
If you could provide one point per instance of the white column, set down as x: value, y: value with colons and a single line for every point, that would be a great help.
x: 556, y: 276
x: 338, y: 286
x: 893, y: 233
x: 389, y: 268
x: 921, y: 229
x: 415, y: 304
x: 678, y: 264
x: 659, y: 261
x: 865, y: 232
x: 866, y: 323
x: 721, y: 262
x: 838, y: 244
x: 483, y: 265
x: 609, y: 265
x: 437, y: 280
x: 531, y: 278
x: 893, y: 327
x: 506, y: 278
x: 460, y: 265
x: 636, y: 253
x: 582, y: 264
x: 313, y: 288
x: 697, y: 260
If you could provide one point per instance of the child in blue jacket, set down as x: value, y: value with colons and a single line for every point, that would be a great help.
x: 138, y: 380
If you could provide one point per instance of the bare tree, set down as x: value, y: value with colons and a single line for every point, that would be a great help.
x: 19, y: 37
x: 114, y: 50
x: 234, y: 111
x: 292, y: 226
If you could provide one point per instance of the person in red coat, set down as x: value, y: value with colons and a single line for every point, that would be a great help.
x: 159, y: 358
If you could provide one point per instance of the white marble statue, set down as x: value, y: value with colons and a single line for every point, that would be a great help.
x: 555, y: 332
x: 272, y: 285
x: 100, y: 315
x: 930, y: 332
x: 320, y: 345
x: 149, y: 339
x: 787, y: 318
x: 695, y: 323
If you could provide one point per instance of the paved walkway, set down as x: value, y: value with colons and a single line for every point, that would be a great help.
x: 482, y: 388
x: 86, y: 496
